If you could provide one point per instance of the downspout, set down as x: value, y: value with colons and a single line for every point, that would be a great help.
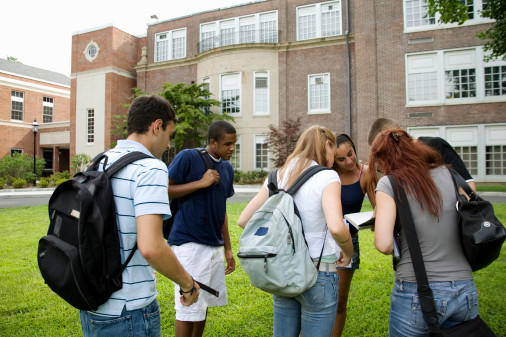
x: 348, y: 60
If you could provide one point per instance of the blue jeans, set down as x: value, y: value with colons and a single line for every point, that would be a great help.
x: 311, y: 313
x: 456, y: 302
x: 140, y: 322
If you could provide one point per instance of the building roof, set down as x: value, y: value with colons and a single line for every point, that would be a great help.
x: 33, y: 72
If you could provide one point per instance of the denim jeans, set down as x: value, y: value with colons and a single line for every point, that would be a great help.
x: 456, y: 302
x: 140, y: 322
x: 311, y: 313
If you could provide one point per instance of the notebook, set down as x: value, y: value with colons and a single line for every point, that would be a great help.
x: 361, y: 220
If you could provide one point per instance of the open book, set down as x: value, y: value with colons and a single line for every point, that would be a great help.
x: 361, y: 220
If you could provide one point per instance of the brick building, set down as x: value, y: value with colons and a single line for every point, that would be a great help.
x: 27, y: 94
x: 341, y: 64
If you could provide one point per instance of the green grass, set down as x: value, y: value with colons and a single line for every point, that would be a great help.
x: 491, y: 188
x: 29, y: 308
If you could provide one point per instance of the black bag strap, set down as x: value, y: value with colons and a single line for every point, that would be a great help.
x: 459, y: 181
x: 424, y: 291
x: 115, y: 167
x: 205, y: 156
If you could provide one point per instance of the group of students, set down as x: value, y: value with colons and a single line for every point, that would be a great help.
x: 421, y: 168
x: 200, y: 228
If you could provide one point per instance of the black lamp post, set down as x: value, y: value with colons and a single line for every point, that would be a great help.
x: 35, y: 130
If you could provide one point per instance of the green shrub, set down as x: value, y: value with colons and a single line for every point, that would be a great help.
x: 18, y: 183
x: 2, y: 183
x: 59, y: 181
x: 20, y: 166
x: 64, y: 175
x: 80, y: 162
x: 249, y: 177
x: 44, y: 182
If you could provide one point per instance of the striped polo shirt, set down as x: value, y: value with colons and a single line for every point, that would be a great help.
x: 139, y: 188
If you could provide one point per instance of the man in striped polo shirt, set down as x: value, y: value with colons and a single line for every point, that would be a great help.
x: 140, y: 195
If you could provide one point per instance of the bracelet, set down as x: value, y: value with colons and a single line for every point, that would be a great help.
x: 343, y: 242
x: 181, y: 292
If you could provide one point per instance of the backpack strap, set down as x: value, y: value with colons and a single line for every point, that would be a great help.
x: 272, y: 182
x: 205, y: 156
x: 124, y: 161
x: 308, y: 173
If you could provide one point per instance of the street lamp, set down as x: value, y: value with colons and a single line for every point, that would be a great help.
x: 35, y: 130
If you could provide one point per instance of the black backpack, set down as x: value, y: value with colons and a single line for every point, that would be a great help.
x: 79, y: 258
x: 176, y: 203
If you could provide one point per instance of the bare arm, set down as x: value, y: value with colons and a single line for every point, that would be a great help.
x: 229, y: 255
x: 252, y: 207
x: 209, y: 178
x: 331, y: 202
x: 368, y: 186
x: 160, y: 256
x: 385, y: 222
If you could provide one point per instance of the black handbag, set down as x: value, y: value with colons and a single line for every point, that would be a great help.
x: 482, y: 234
x: 475, y: 327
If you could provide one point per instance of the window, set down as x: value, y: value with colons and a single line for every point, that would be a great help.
x: 319, y: 20
x: 17, y: 105
x: 90, y: 126
x: 495, y: 160
x: 416, y: 14
x: 20, y: 151
x: 257, y: 28
x: 47, y: 109
x: 231, y: 94
x: 261, y: 152
x: 453, y: 76
x: 247, y: 29
x: 207, y: 86
x: 236, y: 157
x: 261, y: 93
x: 91, y: 51
x: 268, y: 28
x: 227, y: 33
x: 170, y: 45
x: 495, y: 81
x: 319, y: 93
x: 48, y: 157
x: 469, y: 155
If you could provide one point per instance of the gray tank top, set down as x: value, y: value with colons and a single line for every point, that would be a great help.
x: 439, y: 237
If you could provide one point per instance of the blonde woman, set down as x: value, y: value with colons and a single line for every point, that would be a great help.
x: 312, y: 313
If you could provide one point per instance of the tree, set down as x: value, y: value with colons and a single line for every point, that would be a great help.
x: 13, y: 59
x: 282, y: 141
x: 452, y: 11
x: 192, y: 104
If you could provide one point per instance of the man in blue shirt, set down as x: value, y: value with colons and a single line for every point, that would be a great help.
x: 200, y: 226
x: 140, y: 195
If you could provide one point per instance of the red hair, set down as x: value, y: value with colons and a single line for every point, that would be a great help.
x: 396, y: 153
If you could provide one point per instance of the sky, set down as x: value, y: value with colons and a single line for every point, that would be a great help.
x: 39, y: 33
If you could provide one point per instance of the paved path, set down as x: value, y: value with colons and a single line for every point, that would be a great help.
x: 243, y: 193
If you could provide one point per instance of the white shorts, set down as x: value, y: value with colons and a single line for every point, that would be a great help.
x: 207, y: 265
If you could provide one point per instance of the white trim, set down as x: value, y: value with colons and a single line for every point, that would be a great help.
x: 267, y: 75
x: 316, y: 111
x: 239, y: 75
x: 262, y: 138
x: 104, y: 71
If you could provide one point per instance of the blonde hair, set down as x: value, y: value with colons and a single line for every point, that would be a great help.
x: 309, y: 147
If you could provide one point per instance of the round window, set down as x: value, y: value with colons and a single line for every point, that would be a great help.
x: 92, y: 51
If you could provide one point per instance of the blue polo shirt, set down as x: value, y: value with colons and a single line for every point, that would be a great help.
x: 201, y: 216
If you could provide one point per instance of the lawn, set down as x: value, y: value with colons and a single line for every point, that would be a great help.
x: 30, y: 308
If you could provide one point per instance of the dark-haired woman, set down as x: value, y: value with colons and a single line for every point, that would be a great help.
x: 418, y: 169
x: 356, y: 182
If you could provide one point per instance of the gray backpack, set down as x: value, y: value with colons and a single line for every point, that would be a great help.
x: 273, y: 250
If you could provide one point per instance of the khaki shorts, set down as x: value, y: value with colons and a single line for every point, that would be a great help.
x: 207, y: 265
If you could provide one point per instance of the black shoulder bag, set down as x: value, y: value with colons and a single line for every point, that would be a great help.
x: 481, y: 233
x: 475, y: 327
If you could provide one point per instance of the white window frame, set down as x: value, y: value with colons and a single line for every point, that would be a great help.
x: 229, y: 87
x: 261, y: 95
x: 236, y: 157
x: 477, y: 19
x: 317, y: 10
x: 207, y: 82
x: 213, y: 36
x: 90, y: 126
x: 312, y: 80
x: 449, y: 60
x: 18, y: 99
x: 168, y: 38
x: 261, y: 139
x: 47, y: 105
